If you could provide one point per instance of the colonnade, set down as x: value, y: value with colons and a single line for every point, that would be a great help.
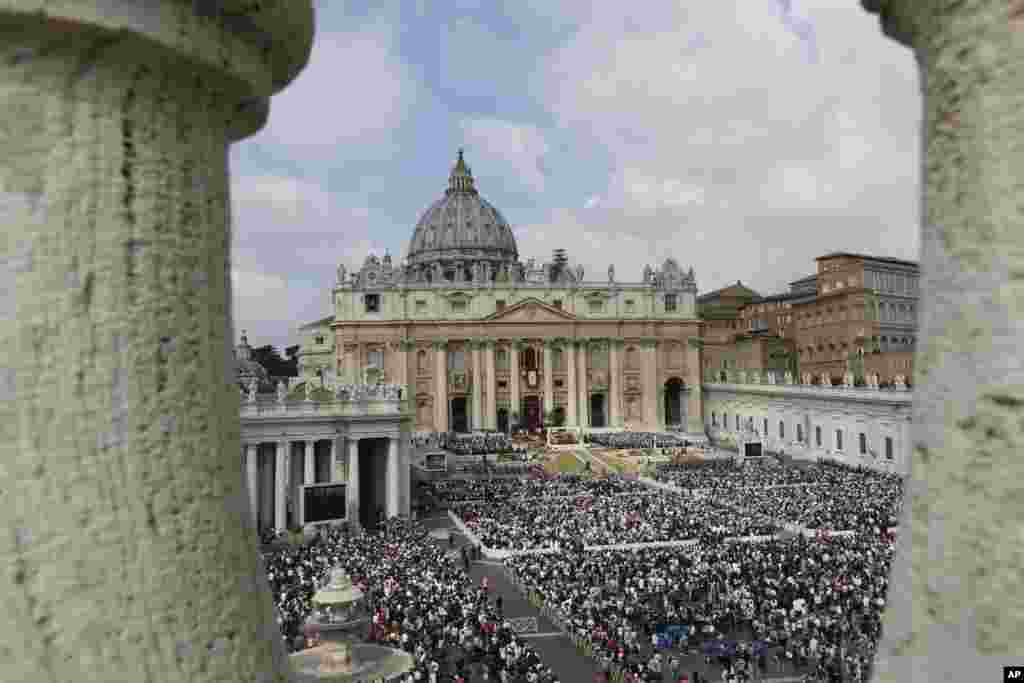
x: 343, y: 468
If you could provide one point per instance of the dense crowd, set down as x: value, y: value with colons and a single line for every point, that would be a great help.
x: 818, y: 496
x: 815, y: 604
x: 527, y: 523
x: 635, y: 440
x: 557, y: 486
x: 420, y: 599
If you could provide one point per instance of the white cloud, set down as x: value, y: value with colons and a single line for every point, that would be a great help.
x: 355, y: 92
x: 729, y: 144
x: 514, y: 150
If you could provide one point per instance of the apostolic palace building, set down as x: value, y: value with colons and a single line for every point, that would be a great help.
x: 464, y: 335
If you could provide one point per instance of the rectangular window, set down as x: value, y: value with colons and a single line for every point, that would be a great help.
x: 800, y: 433
x: 888, y: 448
x: 318, y: 340
x: 725, y: 420
x: 817, y: 436
x: 863, y: 443
x: 458, y: 306
x: 782, y: 429
x: 766, y: 426
x: 499, y: 305
x: 714, y: 420
x: 670, y: 303
x: 559, y: 383
x: 629, y: 305
x: 372, y: 302
x: 502, y: 385
x: 421, y: 306
x: 737, y: 422
x: 375, y: 358
x: 839, y: 439
x: 596, y: 306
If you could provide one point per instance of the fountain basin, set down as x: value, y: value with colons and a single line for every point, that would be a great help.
x: 368, y: 663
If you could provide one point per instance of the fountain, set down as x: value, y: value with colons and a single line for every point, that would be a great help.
x: 334, y: 627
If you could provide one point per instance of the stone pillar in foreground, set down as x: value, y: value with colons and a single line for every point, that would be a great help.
x: 614, y: 382
x: 352, y: 490
x: 118, y: 406
x: 569, y: 355
x: 956, y: 594
x: 393, y: 479
x: 440, y: 386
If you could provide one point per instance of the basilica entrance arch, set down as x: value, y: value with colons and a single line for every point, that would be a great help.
x: 459, y: 420
x: 597, y: 411
x: 674, y: 401
x: 532, y: 412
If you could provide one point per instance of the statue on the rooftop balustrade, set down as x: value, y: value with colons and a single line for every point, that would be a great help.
x: 611, y: 274
x: 252, y: 390
x: 281, y: 391
x: 341, y: 273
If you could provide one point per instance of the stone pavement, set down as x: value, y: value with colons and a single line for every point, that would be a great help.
x: 554, y: 648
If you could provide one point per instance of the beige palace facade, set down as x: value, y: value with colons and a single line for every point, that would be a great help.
x: 480, y: 339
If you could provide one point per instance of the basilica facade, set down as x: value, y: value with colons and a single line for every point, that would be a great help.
x: 481, y: 339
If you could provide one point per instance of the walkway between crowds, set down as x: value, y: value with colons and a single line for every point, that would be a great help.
x: 555, y: 649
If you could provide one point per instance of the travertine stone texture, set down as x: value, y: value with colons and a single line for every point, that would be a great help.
x: 956, y: 598
x: 127, y: 547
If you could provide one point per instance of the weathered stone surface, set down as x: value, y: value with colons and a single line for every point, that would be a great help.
x: 956, y: 609
x: 116, y: 473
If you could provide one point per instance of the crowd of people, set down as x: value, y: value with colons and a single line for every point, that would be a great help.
x: 807, y: 604
x: 635, y: 440
x: 818, y: 496
x: 558, y: 486
x: 531, y: 523
x: 420, y: 600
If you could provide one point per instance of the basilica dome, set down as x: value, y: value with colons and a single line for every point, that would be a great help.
x: 462, y: 226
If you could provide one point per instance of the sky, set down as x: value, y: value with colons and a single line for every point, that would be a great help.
x: 743, y: 138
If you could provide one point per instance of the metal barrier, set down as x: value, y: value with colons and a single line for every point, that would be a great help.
x: 522, y: 625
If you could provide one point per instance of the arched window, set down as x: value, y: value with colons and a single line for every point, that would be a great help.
x: 422, y: 362
x: 529, y: 359
x: 501, y: 359
x: 782, y: 429
x: 800, y: 433
x: 631, y: 358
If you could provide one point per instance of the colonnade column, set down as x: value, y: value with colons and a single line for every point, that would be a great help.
x: 614, y: 391
x: 352, y: 490
x: 694, y: 376
x: 440, y: 387
x: 281, y: 485
x: 393, y: 478
x: 584, y: 394
x: 477, y: 389
x: 491, y: 409
x: 513, y: 383
x: 310, y: 461
x: 570, y: 362
x: 252, y: 481
x: 549, y: 392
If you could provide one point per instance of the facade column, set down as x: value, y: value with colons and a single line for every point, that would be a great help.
x: 330, y: 459
x: 584, y: 392
x: 352, y: 490
x: 393, y: 475
x: 513, y: 382
x: 281, y: 486
x: 478, y: 386
x: 694, y: 398
x: 614, y: 390
x: 549, y: 391
x: 440, y: 387
x: 252, y: 464
x: 570, y: 361
x: 491, y: 400
x: 651, y: 388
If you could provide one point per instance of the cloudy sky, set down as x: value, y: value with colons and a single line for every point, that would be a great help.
x: 742, y: 137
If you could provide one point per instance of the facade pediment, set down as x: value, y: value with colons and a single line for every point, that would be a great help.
x: 533, y: 311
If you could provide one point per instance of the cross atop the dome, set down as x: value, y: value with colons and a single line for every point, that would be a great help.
x: 461, y: 179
